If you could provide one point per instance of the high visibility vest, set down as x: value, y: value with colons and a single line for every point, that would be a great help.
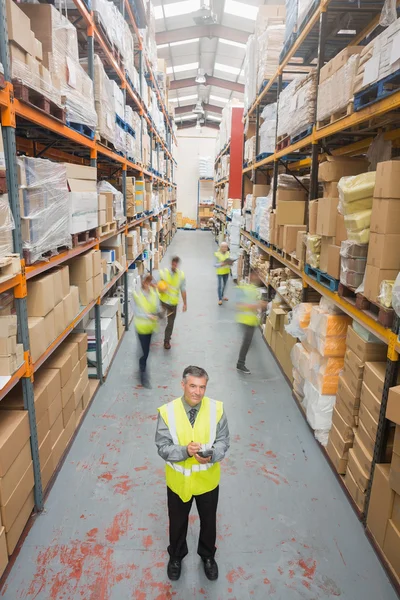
x: 148, y: 304
x: 189, y: 478
x: 173, y: 280
x: 251, y: 296
x: 221, y: 257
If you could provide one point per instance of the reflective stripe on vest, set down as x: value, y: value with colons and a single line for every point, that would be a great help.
x: 188, y: 477
x: 221, y: 258
x: 174, y: 280
x: 144, y: 325
x: 252, y: 296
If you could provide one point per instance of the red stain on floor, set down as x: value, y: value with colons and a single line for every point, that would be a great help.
x: 236, y: 574
x: 308, y: 566
x: 119, y: 527
x: 270, y: 454
x: 105, y: 476
x: 147, y: 541
x: 144, y: 468
x: 92, y: 534
x: 123, y: 487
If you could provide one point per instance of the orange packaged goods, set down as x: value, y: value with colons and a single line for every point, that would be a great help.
x: 324, y: 372
x: 327, y: 332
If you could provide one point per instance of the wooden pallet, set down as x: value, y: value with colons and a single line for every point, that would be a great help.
x: 322, y: 278
x: 83, y: 237
x: 114, y: 51
x: 31, y: 255
x: 283, y: 142
x: 379, y: 313
x: 9, y: 267
x: 296, y: 262
x: 106, y: 229
x: 3, y: 181
x: 38, y: 100
x: 337, y: 116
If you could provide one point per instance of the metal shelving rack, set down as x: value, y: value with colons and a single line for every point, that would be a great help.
x: 85, y: 151
x: 315, y: 41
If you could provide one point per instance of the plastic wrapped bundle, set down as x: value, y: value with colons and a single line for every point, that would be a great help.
x: 358, y: 220
x: 250, y: 72
x: 265, y: 213
x: 6, y: 226
x: 270, y: 44
x: 328, y: 325
x: 44, y: 205
x: 325, y: 372
x: 268, y: 129
x: 313, y: 250
x: 355, y: 188
x: 297, y: 98
x: 335, y: 93
x: 352, y: 270
x: 396, y: 295
x: 302, y: 10
x: 385, y: 296
x: 250, y: 150
x: 206, y: 166
x: 118, y: 200
x: 103, y: 97
x: 299, y: 320
x: 291, y: 17
x: 298, y: 383
x: 319, y: 409
x: 300, y: 358
x: 262, y: 204
x: 331, y: 346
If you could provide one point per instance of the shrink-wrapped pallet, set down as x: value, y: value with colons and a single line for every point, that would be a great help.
x: 300, y: 358
x: 44, y: 206
x: 250, y: 73
x: 319, y: 409
x: 103, y: 97
x: 299, y: 320
x: 355, y: 194
x: 335, y: 92
x: 268, y: 129
x: 250, y: 150
x: 270, y: 44
x: 6, y: 226
x: 296, y: 105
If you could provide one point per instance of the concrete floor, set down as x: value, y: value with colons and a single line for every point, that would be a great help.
x: 286, y: 530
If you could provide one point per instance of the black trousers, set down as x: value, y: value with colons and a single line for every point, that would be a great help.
x: 248, y: 332
x: 171, y: 315
x: 178, y: 523
x: 145, y: 341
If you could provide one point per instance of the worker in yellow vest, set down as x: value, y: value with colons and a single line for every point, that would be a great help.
x: 176, y: 284
x: 249, y: 306
x: 192, y: 437
x: 223, y: 267
x: 147, y: 310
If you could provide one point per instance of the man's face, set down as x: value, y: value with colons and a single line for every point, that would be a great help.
x: 194, y: 389
x: 174, y: 266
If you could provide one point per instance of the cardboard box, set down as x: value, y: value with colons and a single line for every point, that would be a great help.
x: 50, y: 378
x: 14, y: 433
x: 324, y: 255
x: 383, y: 250
x: 361, y: 476
x: 365, y: 438
x: 268, y: 331
x: 395, y: 514
x: 40, y: 299
x: 349, y: 415
x: 57, y: 286
x: 326, y: 221
x: 81, y: 340
x: 61, y: 360
x: 334, y: 168
x: 352, y: 382
x: 368, y: 421
x: 380, y: 504
x: 341, y: 231
x: 288, y: 195
x: 354, y: 363
x: 333, y: 268
x: 55, y: 409
x: 342, y: 446
x: 19, y: 28
x: 8, y: 346
x: 59, y: 318
x: 370, y: 401
x: 346, y: 431
x: 374, y: 377
x: 68, y: 409
x: 96, y: 258
x: 385, y: 217
x: 10, y: 510
x: 18, y: 526
x: 75, y: 300
x: 81, y: 268
x: 260, y: 190
x: 290, y: 233
x: 68, y: 309
x: 8, y: 325
x: 46, y: 472
x: 50, y: 328
x: 86, y: 395
x: 396, y: 440
x: 393, y: 405
x: 351, y: 400
x: 43, y: 427
x: 391, y: 546
x: 366, y: 351
x: 86, y: 292
x: 45, y: 449
x: 338, y: 461
x: 57, y: 429
x: 9, y: 482
x: 394, y: 475
x: 102, y: 217
x: 312, y: 217
x: 387, y: 179
x: 290, y: 213
x: 3, y: 551
x: 301, y: 245
x: 361, y: 452
x: 355, y: 492
x: 373, y: 278
x: 276, y: 318
x: 97, y: 285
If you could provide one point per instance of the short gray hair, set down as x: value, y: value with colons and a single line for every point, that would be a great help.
x: 194, y: 372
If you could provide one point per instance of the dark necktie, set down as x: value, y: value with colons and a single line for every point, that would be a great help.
x: 192, y: 416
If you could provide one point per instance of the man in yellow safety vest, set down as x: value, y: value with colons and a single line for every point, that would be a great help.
x: 147, y: 309
x: 176, y: 283
x: 223, y: 267
x: 248, y: 306
x: 192, y: 437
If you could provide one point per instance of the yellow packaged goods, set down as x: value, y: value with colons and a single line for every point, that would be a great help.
x: 332, y: 346
x: 313, y: 250
x: 357, y: 187
x: 360, y: 237
x: 348, y: 208
x: 386, y: 293
x: 358, y: 221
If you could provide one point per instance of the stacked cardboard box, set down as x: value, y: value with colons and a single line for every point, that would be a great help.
x: 52, y: 304
x: 383, y: 260
x: 83, y: 197
x: 279, y: 341
x: 130, y: 197
x: 383, y: 518
x: 109, y: 336
x: 114, y: 253
x: 289, y: 216
x: 347, y: 413
x: 86, y: 273
x: 11, y: 353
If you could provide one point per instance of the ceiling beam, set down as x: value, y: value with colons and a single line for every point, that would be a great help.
x: 201, y: 31
x: 181, y: 110
x: 178, y: 84
x: 188, y: 124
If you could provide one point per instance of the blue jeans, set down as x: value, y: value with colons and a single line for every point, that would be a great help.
x: 222, y: 281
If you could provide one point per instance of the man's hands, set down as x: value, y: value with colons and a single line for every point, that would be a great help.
x: 193, y: 448
x: 184, y: 307
x: 202, y: 460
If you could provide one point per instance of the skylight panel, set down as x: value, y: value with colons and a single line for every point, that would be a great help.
x: 181, y: 68
x: 182, y: 42
x: 176, y: 9
x: 227, y: 68
x: 240, y: 9
x: 214, y: 118
x: 232, y: 43
x: 185, y: 117
x: 184, y: 98
x: 218, y: 98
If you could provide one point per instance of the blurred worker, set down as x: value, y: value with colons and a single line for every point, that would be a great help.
x: 176, y: 283
x: 223, y: 270
x: 192, y: 437
x: 147, y: 309
x: 248, y: 306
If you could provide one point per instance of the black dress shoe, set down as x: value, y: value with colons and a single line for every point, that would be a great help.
x: 210, y: 568
x: 174, y: 569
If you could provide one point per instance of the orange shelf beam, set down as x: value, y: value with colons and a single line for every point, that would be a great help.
x: 13, y: 381
x: 54, y: 261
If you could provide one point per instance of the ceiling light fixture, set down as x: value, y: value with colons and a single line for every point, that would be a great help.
x: 201, y: 77
x: 198, y: 109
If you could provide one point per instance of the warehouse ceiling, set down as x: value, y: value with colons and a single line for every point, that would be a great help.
x: 216, y: 46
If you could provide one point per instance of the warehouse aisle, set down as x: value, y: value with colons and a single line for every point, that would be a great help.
x: 286, y: 529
